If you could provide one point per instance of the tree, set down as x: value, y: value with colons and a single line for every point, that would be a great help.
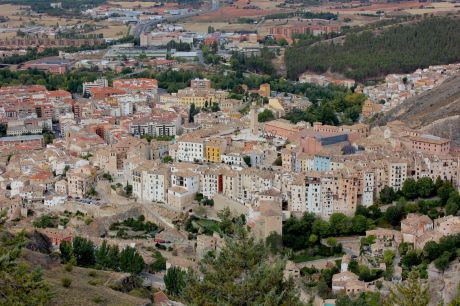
x: 174, y: 281
x: 340, y: 224
x: 320, y: 227
x: 167, y: 159
x: 431, y: 250
x: 359, y: 224
x: 394, y: 214
x: 453, y: 203
x: 247, y: 160
x: 113, y: 258
x: 192, y: 112
x: 128, y: 189
x: 215, y: 107
x: 282, y: 42
x: 388, y: 256
x: 159, y: 263
x: 443, y: 261
x: 265, y: 115
x: 245, y: 276
x: 409, y: 189
x: 66, y: 251
x: 102, y: 255
x: 19, y: 284
x: 411, y: 292
x: 387, y: 195
x: 131, y: 261
x: 411, y: 259
x: 452, y: 207
x: 296, y: 231
x: 226, y: 225
x: 274, y: 242
x: 83, y: 250
x: 425, y: 187
x: 445, y: 191
x: 278, y: 161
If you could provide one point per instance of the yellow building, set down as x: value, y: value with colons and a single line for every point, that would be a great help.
x: 199, y: 101
x: 264, y: 90
x: 214, y: 149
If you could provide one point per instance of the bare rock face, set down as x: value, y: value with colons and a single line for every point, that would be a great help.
x: 443, y: 285
x: 437, y: 111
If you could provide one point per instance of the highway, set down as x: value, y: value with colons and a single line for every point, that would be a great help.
x: 145, y: 26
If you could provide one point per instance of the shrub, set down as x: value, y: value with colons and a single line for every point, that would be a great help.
x: 68, y: 267
x: 66, y: 282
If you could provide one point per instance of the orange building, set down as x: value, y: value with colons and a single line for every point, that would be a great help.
x: 105, y: 92
x: 430, y: 144
x: 136, y: 85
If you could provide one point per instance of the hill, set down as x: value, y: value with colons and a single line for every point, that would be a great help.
x: 369, y: 54
x: 89, y: 286
x: 436, y: 111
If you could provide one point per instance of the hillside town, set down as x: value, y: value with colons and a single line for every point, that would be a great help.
x: 201, y: 153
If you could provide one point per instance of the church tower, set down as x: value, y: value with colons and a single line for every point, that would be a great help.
x: 254, y: 120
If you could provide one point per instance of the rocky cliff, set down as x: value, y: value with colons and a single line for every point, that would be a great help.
x: 436, y: 111
x: 443, y: 285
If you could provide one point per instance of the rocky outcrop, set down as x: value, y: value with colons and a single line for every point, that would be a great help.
x: 443, y: 285
x: 437, y: 111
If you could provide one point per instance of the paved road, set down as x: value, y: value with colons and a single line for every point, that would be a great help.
x: 147, y: 25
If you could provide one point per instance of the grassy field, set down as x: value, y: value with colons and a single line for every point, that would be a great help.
x: 86, y: 289
x: 112, y: 31
x: 208, y: 226
x: 88, y: 286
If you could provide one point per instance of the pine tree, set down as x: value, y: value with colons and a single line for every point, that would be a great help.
x: 19, y: 284
x: 131, y: 261
x: 66, y: 251
x: 242, y: 274
x: 411, y: 292
x: 174, y: 281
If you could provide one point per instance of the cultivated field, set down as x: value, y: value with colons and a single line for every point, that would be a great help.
x: 413, y: 7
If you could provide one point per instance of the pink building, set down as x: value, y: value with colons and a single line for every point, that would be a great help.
x: 281, y: 128
x: 430, y: 144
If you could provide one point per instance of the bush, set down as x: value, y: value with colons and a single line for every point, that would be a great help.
x: 66, y: 282
x: 92, y: 273
x: 68, y: 267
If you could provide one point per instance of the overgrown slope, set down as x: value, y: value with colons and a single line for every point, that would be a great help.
x: 371, y: 54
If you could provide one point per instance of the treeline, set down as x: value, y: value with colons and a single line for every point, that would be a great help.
x: 71, y: 81
x: 84, y: 253
x: 254, y: 63
x: 368, y: 55
x: 307, y: 231
x: 69, y: 7
x: 434, y: 199
x: 441, y: 254
x: 307, y: 15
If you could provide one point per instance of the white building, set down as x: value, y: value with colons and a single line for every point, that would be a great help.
x: 190, y: 150
x: 368, y: 189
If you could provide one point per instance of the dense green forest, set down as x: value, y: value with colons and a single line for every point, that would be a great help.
x: 368, y: 55
x: 69, y: 7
